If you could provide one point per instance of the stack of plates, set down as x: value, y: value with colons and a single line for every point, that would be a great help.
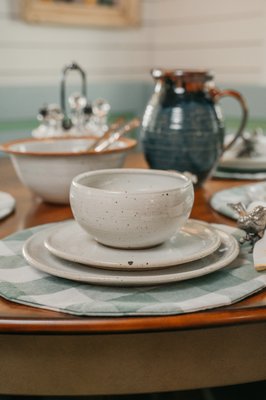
x: 244, y: 167
x: 243, y: 164
x: 67, y: 251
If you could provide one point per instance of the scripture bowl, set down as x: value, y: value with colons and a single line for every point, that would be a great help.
x: 131, y: 208
x: 47, y: 166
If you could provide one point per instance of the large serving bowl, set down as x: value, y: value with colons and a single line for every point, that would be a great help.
x: 47, y: 166
x: 131, y: 208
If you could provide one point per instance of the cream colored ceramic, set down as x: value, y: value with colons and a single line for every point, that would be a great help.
x: 39, y: 257
x: 7, y: 204
x: 256, y: 162
x: 194, y: 241
x: 47, y: 166
x: 131, y: 208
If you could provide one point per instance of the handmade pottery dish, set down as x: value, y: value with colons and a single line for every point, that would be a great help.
x: 131, y: 208
x: 39, y: 256
x: 254, y: 162
x: 47, y: 166
x: 195, y: 240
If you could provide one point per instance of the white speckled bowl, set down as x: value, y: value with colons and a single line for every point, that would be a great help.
x: 47, y: 166
x: 131, y: 208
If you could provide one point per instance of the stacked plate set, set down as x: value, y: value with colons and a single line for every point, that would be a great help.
x: 131, y: 227
x: 67, y: 251
x: 246, y: 159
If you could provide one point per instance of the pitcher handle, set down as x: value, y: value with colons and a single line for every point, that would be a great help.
x: 217, y: 94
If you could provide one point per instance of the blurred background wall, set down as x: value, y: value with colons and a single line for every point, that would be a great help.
x: 227, y: 37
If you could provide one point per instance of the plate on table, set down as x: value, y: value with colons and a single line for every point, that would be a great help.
x: 246, y: 194
x: 70, y: 242
x: 255, y: 163
x: 243, y: 164
x: 239, y: 175
x: 40, y: 257
x: 7, y: 204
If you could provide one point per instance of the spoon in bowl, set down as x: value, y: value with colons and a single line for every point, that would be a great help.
x: 104, y: 143
x: 113, y: 127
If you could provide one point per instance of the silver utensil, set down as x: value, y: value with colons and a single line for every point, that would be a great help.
x: 113, y: 128
x: 104, y: 143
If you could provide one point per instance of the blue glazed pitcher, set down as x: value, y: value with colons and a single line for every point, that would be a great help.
x: 182, y: 127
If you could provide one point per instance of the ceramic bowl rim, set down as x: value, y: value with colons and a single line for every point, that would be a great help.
x: 6, y: 147
x: 142, y: 171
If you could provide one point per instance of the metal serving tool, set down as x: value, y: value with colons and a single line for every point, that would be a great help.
x: 116, y: 135
x: 113, y: 127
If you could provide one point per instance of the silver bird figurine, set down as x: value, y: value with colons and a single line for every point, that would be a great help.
x: 252, y: 222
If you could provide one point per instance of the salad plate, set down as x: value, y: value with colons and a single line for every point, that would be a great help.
x: 38, y: 256
x: 70, y: 242
x: 256, y: 162
x: 245, y: 164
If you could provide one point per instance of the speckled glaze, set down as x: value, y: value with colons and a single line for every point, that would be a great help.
x: 47, y: 166
x: 195, y: 240
x: 131, y: 208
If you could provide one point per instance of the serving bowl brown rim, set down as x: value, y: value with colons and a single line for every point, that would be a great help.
x: 5, y: 147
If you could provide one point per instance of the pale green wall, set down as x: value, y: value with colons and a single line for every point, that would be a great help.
x: 19, y: 105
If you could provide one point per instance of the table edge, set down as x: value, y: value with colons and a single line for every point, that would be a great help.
x: 116, y: 325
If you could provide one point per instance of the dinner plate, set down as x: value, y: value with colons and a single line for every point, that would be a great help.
x: 7, y: 204
x: 240, y: 175
x: 39, y: 257
x: 245, y: 194
x: 245, y: 164
x: 70, y: 242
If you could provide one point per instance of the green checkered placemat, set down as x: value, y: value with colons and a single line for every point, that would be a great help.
x: 244, y: 194
x: 24, y: 284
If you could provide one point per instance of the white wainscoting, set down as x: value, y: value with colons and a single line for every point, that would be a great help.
x: 227, y: 37
x: 34, y: 54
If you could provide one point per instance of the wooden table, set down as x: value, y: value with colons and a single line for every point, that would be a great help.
x: 50, y: 353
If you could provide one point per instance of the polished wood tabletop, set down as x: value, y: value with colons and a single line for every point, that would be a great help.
x: 31, y: 211
x: 51, y: 353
